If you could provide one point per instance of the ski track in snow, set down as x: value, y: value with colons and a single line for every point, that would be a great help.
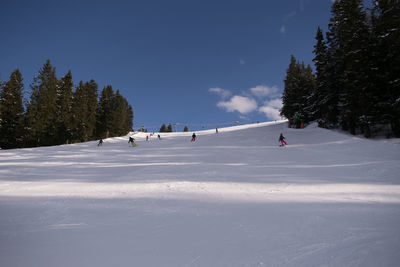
x: 229, y: 199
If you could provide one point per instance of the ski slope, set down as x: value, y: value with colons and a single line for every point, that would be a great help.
x: 229, y: 199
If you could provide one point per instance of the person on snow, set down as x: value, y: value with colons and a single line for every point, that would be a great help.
x: 159, y: 137
x: 100, y: 142
x: 132, y: 141
x: 193, y: 137
x: 216, y: 130
x: 282, y: 140
x: 147, y: 137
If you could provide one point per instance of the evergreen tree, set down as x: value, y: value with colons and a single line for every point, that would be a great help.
x: 64, y: 108
x: 299, y: 84
x: 41, y: 114
x: 105, y: 112
x: 186, y: 129
x: 353, y: 39
x: 347, y: 65
x: 319, y: 107
x: 84, y: 111
x: 12, y: 112
x: 385, y: 60
x: 119, y: 115
x: 163, y: 129
x: 169, y: 128
x: 129, y: 118
x: 114, y: 114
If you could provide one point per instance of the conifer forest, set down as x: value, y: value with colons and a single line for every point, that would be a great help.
x: 59, y: 112
x: 356, y: 83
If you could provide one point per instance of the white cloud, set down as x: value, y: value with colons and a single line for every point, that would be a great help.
x: 242, y: 62
x: 276, y: 103
x: 283, y: 29
x: 238, y: 103
x: 263, y: 90
x: 271, y: 109
x: 222, y: 92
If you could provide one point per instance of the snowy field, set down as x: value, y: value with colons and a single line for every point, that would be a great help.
x: 230, y: 199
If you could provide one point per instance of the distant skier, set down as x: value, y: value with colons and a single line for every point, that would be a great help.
x: 216, y: 130
x: 159, y: 137
x: 282, y: 140
x: 193, y: 137
x: 131, y: 141
x: 100, y: 142
x: 147, y: 138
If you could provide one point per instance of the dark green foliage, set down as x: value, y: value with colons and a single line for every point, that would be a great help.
x: 166, y: 129
x: 186, y: 129
x: 41, y: 113
x: 12, y: 112
x: 169, y: 128
x: 320, y: 99
x: 64, y: 108
x: 163, y: 129
x: 104, y: 112
x: 357, y: 71
x: 55, y: 114
x: 114, y: 114
x: 84, y: 111
x: 121, y: 116
x: 385, y: 61
x: 299, y: 84
x: 348, y: 46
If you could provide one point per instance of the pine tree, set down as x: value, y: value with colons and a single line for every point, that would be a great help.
x: 385, y: 59
x: 299, y: 84
x: 347, y: 63
x: 64, y: 108
x: 186, y: 129
x: 12, y: 112
x: 119, y: 115
x: 41, y: 114
x: 163, y: 129
x: 84, y: 111
x: 319, y: 107
x: 104, y: 112
x: 288, y: 109
x: 169, y: 128
x: 129, y: 118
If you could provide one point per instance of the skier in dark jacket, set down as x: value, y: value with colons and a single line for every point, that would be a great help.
x: 100, y: 142
x: 193, y: 137
x: 282, y: 140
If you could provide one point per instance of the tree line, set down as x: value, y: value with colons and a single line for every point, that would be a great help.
x: 168, y: 129
x: 356, y: 84
x: 57, y: 114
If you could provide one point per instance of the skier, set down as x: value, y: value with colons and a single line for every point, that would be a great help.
x: 147, y: 137
x: 159, y: 137
x: 131, y: 141
x: 193, y: 137
x: 282, y: 140
x: 216, y: 130
x: 100, y: 142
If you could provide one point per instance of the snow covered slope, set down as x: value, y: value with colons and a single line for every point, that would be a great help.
x: 230, y: 199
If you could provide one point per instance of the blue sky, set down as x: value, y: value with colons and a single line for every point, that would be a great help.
x: 198, y: 63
